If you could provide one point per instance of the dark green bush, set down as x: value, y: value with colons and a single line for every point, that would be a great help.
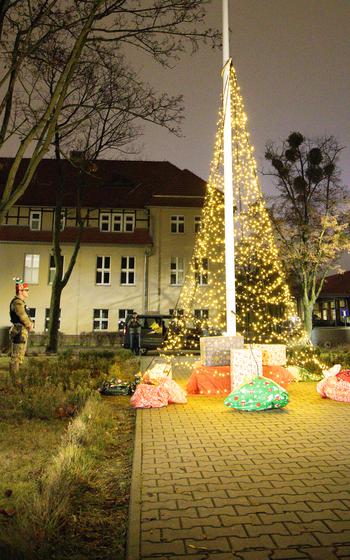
x: 42, y: 401
x: 78, y: 397
x: 336, y: 356
x: 60, y: 386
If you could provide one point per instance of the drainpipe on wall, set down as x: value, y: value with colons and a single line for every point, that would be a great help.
x: 148, y: 253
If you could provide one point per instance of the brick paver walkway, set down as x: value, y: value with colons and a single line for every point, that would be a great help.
x: 210, y: 483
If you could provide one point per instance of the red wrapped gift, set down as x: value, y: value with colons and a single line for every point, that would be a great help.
x: 278, y: 374
x: 209, y: 380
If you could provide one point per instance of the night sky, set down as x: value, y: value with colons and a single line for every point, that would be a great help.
x: 292, y: 61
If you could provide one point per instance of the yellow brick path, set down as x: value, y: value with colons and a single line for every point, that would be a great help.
x: 215, y: 484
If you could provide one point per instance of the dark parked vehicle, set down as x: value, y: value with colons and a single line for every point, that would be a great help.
x: 153, y: 331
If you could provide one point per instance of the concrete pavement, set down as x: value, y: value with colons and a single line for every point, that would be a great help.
x: 212, y: 483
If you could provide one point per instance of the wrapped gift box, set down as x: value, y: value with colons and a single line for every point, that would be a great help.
x: 157, y: 373
x: 209, y: 380
x: 245, y: 364
x: 272, y: 354
x: 215, y: 350
x: 279, y: 374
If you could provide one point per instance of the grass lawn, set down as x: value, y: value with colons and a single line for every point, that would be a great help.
x: 95, y: 522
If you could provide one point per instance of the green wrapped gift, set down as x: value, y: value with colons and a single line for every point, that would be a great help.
x: 259, y: 393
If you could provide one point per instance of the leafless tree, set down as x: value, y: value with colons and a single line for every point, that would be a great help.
x: 308, y: 211
x: 79, y: 27
x: 104, y: 105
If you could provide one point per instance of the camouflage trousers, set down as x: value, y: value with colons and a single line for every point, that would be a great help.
x: 19, y: 341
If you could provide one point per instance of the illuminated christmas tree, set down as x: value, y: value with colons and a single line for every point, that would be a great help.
x: 265, y: 308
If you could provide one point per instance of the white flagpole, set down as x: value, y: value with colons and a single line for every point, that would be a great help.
x: 228, y: 181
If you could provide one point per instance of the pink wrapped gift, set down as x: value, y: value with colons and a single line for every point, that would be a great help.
x: 156, y: 396
x: 176, y: 394
x: 150, y: 396
x: 336, y: 387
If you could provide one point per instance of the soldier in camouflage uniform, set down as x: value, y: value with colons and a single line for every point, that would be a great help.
x: 21, y: 325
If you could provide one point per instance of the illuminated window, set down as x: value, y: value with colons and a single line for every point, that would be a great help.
x: 201, y: 271
x: 35, y: 220
x: 31, y: 268
x: 197, y: 224
x: 177, y: 224
x: 176, y: 271
x: 52, y: 267
x: 100, y: 320
x: 103, y: 271
x: 127, y: 273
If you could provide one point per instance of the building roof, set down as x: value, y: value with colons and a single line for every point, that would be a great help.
x: 111, y: 184
x: 336, y: 285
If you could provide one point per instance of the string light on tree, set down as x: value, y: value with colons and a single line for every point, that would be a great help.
x: 263, y: 300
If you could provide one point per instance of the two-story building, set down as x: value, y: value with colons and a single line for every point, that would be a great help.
x: 138, y: 238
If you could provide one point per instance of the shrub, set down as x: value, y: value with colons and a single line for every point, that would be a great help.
x: 42, y: 401
x: 78, y: 397
x: 60, y: 386
x: 124, y: 371
x: 338, y: 355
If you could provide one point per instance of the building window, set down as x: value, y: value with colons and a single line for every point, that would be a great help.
x: 123, y: 314
x: 176, y: 312
x: 201, y: 313
x: 31, y: 268
x: 52, y: 267
x: 47, y: 319
x: 127, y: 273
x: 32, y: 315
x: 117, y: 221
x: 35, y: 220
x: 103, y: 271
x: 105, y: 221
x: 129, y: 222
x: 176, y: 271
x: 177, y: 224
x: 201, y: 271
x: 100, y: 322
x: 197, y: 224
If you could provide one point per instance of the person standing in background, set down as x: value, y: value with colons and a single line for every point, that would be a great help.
x: 21, y: 325
x: 134, y: 327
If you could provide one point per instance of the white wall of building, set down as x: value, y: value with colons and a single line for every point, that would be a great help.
x: 81, y: 295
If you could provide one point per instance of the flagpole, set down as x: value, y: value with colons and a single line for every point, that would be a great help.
x: 228, y: 180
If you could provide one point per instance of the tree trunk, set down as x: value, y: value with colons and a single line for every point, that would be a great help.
x: 54, y: 322
x: 308, y: 309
